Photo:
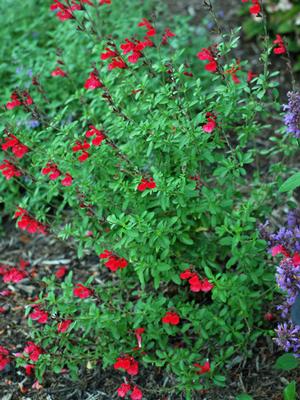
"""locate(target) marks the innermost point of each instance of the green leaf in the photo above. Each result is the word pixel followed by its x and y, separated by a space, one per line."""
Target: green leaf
pixel 244 396
pixel 291 183
pixel 289 392
pixel 287 362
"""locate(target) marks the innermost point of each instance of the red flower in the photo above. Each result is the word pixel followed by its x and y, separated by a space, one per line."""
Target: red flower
pixel 18 100
pixel 4 357
pixel 81 147
pixel 67 181
pixel 146 184
pixel 117 63
pixel 113 263
pixel 279 249
pixel 28 223
pixel 58 72
pixel 14 276
pixel 29 368
pixel 187 274
pixel 150 29
pixel 296 259
pixel 82 291
pixel 207 55
pixel 190 74
pixel 136 394
pixel 166 35
pixel 255 9
pixel 9 170
pixel 123 390
pixel 63 326
pixel 171 318
pixel 39 316
pixel 195 283
pixel 104 2
pixel 138 333
pixel 128 363
pixel 280 49
pixel 61 272
pixel 19 149
pixel 51 169
pixel 251 75
pixel 93 82
pixel 66 12
pixel 203 368
pixel 99 135
pixel 33 351
pixel 109 54
pixel 206 286
pixel 210 124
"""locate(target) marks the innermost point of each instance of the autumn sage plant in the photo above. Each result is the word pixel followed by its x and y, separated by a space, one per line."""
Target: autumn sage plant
pixel 143 152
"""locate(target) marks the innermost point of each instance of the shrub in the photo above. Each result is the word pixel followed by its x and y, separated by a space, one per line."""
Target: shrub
pixel 153 165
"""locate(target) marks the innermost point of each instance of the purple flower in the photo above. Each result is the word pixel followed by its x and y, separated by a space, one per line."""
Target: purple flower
pixel 288 237
pixel 33 123
pixel 292 116
pixel 288 337
pixel 288 278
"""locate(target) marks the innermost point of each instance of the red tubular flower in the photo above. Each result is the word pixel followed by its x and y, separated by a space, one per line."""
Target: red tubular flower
pixel 67 181
pixel 63 326
pixel 81 147
pixel 280 47
pixel 279 249
pixel 102 2
pixel 4 357
pixel 39 315
pixel 207 55
pixel 9 170
pixel 14 103
pixel 203 368
pixel 82 291
pixel 61 272
pixel 58 72
pixel 146 184
pixel 171 318
pixel 255 9
pixel 14 275
pixel 150 29
pixel 33 351
pixel 117 63
pixel 251 75
pixel 23 99
pixel 93 82
pixel 113 263
pixel 128 363
pixel 51 170
pixel 211 124
pixel 19 149
pixel 136 394
pixel 95 132
pixel 123 390
pixel 206 286
pixel 66 12
pixel 296 259
pixel 138 333
pixel 187 274
pixel 195 283
pixel 29 368
pixel 26 222
pixel 167 35
pixel 108 54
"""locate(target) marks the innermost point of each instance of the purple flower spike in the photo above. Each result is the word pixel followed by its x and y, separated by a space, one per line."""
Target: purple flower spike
pixel 292 116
